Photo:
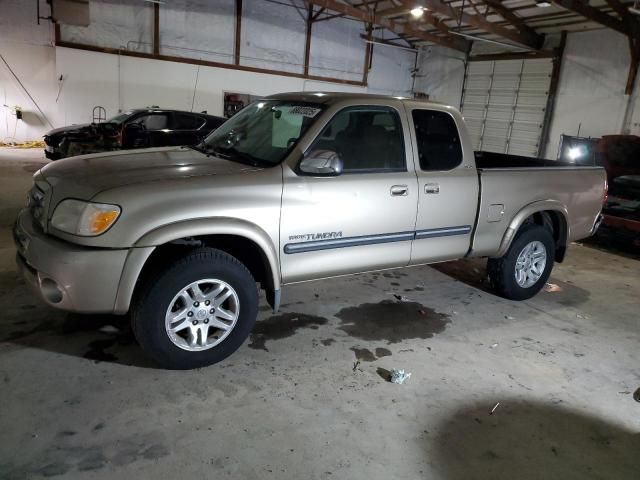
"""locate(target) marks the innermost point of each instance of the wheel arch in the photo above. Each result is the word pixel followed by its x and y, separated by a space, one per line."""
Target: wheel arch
pixel 548 213
pixel 242 239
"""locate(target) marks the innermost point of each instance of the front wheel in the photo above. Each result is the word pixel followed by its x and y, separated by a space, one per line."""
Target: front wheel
pixel 197 312
pixel 525 268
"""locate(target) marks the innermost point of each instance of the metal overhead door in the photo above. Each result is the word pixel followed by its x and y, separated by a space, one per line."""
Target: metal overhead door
pixel 504 103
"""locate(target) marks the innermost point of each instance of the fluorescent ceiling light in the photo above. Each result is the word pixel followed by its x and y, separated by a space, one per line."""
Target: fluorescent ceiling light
pixel 543 3
pixel 417 12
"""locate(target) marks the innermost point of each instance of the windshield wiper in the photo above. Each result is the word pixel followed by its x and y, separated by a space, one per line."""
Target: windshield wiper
pixel 218 152
pixel 237 156
pixel 246 158
pixel 197 148
pixel 208 151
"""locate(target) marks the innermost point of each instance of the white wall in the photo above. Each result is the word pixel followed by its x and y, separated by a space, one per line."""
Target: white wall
pixel 273 38
pixel 591 89
pixel 29 53
pixel 441 74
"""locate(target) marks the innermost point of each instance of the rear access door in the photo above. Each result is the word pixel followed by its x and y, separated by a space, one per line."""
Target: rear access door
pixel 447 185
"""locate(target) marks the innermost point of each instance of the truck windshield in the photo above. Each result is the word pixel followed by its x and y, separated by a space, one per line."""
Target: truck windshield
pixel 263 133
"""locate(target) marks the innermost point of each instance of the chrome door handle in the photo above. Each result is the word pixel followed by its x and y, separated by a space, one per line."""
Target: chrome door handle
pixel 399 190
pixel 432 188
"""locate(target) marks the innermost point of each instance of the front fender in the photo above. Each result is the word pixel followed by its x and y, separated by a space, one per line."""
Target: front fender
pixel 192 228
pixel 216 226
pixel 524 213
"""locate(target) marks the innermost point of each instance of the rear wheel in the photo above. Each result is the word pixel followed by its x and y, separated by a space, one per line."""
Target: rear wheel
pixel 198 311
pixel 525 268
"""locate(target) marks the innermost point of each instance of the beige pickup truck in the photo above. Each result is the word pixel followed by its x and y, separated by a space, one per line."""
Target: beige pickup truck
pixel 295 187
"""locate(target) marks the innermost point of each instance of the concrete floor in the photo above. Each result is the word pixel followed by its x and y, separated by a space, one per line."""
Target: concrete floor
pixel 78 402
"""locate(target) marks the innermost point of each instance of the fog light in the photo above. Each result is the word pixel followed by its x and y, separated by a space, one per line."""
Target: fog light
pixel 50 290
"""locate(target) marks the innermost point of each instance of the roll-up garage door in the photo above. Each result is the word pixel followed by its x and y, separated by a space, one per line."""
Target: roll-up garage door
pixel 504 103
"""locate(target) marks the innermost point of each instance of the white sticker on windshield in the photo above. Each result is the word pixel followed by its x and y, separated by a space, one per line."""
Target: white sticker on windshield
pixel 309 112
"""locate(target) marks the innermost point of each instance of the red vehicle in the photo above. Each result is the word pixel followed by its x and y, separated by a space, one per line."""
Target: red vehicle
pixel 620 155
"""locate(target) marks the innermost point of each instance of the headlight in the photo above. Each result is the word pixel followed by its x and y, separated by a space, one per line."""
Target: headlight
pixel 84 218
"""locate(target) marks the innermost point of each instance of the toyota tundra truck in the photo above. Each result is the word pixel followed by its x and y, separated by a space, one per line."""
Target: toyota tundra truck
pixel 295 187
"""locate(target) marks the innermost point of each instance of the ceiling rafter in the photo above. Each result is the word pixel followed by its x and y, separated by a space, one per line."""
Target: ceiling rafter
pixel 441 8
pixel 396 27
pixel 593 14
pixel 515 20
pixel 633 27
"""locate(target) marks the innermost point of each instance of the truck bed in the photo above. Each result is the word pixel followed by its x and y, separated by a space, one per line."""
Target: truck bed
pixel 509 183
pixel 490 160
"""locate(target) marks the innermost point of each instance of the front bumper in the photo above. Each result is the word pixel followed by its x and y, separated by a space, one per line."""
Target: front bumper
pixel 64 275
pixel 597 223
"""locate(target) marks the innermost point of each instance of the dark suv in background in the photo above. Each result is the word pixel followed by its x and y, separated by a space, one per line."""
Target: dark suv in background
pixel 139 128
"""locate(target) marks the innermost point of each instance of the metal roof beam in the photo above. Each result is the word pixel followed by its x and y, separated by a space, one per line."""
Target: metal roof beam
pixel 593 14
pixel 515 20
pixel 396 27
pixel 441 8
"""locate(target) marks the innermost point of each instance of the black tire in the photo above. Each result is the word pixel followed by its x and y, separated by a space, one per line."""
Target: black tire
pixel 502 270
pixel 148 316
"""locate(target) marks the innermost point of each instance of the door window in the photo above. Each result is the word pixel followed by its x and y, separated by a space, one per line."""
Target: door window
pixel 368 139
pixel 438 140
pixel 154 121
pixel 187 121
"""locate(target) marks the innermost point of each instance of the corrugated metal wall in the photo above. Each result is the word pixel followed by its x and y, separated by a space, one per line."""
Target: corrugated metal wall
pixel 504 103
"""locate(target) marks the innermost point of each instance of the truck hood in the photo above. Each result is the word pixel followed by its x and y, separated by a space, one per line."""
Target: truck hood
pixel 81 127
pixel 86 175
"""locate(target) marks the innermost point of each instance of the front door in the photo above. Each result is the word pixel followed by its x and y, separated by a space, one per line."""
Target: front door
pixel 361 220
pixel 448 188
pixel 156 128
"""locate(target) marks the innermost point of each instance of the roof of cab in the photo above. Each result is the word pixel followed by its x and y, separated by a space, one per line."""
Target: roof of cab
pixel 332 97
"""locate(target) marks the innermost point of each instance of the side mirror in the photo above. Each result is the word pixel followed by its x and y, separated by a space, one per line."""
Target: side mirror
pixel 322 162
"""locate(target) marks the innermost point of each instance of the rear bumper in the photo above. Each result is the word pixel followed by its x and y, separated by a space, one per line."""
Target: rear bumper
pixel 64 275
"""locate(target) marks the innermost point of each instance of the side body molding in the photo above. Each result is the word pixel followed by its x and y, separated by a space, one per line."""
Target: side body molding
pixel 526 212
pixel 193 228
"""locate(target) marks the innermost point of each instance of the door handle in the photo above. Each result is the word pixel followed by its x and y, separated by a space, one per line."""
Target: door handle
pixel 432 188
pixel 399 191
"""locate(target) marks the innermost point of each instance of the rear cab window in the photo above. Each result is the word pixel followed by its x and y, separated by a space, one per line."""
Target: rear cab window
pixel 437 139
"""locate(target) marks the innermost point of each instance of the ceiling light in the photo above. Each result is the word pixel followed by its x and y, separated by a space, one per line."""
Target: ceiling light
pixel 417 12
pixel 543 3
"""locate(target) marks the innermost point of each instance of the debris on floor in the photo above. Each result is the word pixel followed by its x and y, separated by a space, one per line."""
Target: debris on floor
pixel 495 407
pixel 636 395
pixel 401 298
pixel 399 376
pixel 29 144
pixel 494 345
pixel 356 366
pixel 509 317
pixel 552 287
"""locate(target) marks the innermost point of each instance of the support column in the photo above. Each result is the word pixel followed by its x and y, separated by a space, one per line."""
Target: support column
pixel 236 50
pixel 307 44
pixel 367 55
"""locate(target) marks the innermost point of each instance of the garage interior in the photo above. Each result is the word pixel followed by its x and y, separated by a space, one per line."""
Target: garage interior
pixel 543 388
